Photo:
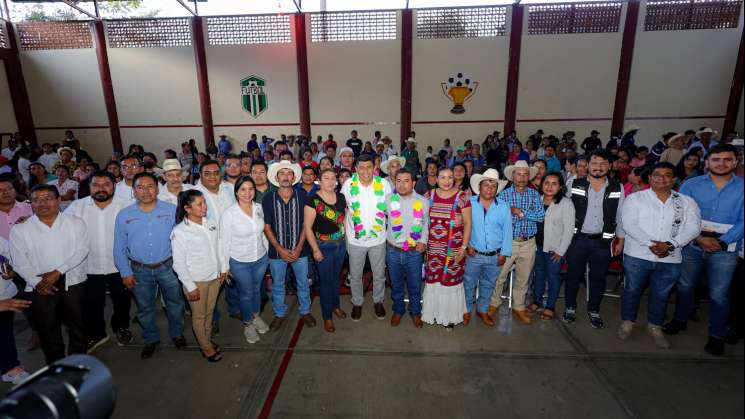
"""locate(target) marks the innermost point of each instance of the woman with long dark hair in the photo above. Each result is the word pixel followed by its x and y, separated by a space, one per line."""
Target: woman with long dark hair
pixel 552 241
pixel 38 175
pixel 460 179
pixel 244 248
pixel 688 167
pixel 197 262
pixel 428 182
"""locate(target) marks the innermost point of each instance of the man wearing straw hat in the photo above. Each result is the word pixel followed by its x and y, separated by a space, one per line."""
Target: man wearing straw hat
pixel 174 182
pixel 490 244
pixel 391 167
pixel 527 211
pixel 283 218
pixel 704 139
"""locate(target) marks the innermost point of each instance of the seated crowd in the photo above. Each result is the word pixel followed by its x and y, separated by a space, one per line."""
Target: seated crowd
pixel 463 221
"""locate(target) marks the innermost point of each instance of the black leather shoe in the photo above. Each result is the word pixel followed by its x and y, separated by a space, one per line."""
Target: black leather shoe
pixel 379 311
pixel 179 342
pixel 149 350
pixel 356 313
pixel 714 346
pixel 673 327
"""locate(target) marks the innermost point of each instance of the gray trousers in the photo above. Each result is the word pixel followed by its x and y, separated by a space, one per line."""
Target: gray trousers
pixel 357 256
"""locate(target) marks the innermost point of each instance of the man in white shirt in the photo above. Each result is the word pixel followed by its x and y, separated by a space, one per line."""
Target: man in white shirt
pixel 49 158
pixel 10 151
pixel 658 223
pixel 131 165
pixel 219 196
pixel 98 211
pixel 173 174
pixel 365 226
pixel 48 251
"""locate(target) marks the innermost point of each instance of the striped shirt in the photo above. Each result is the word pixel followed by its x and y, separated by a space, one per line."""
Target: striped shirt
pixel 285 220
pixel 529 201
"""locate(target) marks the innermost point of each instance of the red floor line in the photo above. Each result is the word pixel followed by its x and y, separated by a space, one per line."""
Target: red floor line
pixel 277 383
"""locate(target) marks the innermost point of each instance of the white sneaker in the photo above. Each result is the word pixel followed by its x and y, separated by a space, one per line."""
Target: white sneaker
pixel 659 338
pixel 15 376
pixel 249 332
pixel 260 324
pixel 625 330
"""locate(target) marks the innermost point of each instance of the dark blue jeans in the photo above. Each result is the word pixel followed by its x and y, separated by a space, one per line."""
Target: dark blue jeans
pixel 329 270
pixel 661 278
pixel 581 252
pixel 405 270
pixel 720 266
pixel 546 271
pixel 146 291
pixel 247 277
pixel 8 351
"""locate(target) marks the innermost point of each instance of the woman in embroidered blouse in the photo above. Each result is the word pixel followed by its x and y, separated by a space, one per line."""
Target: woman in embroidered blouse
pixel 444 300
pixel 244 249
pixel 197 262
pixel 324 230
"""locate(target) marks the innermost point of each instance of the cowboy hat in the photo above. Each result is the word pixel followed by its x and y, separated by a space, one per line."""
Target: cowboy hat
pixel 705 130
pixel 345 150
pixel 61 149
pixel 489 174
pixel 673 138
pixel 411 140
pixel 520 164
pixel 284 164
pixel 171 164
pixel 384 165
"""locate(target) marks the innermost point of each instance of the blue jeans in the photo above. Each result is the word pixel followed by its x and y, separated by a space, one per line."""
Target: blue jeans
pixel 329 270
pixel 481 272
pixel 720 266
pixel 405 268
pixel 278 268
pixel 146 292
pixel 546 271
pixel 661 278
pixel 247 278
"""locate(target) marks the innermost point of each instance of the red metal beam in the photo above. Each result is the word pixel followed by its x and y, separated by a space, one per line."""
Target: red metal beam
pixel 513 68
pixel 624 67
pixel 301 54
pixel 407 30
pixel 735 93
pixel 200 57
pixel 17 87
pixel 107 85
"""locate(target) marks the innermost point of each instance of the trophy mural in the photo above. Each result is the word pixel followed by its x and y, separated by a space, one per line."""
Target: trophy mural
pixel 459 88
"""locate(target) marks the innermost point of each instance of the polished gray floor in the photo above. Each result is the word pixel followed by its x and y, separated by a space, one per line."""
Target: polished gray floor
pixel 371 370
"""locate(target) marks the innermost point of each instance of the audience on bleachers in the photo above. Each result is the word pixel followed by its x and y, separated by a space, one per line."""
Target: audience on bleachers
pixel 672 214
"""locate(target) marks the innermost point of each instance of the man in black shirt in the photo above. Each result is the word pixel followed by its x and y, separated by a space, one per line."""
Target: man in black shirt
pixel 355 144
pixel 591 143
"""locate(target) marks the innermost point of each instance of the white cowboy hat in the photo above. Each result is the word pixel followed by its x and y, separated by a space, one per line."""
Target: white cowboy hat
pixel 411 140
pixel 706 130
pixel 632 127
pixel 520 164
pixel 61 149
pixel 345 150
pixel 384 165
pixel 673 138
pixel 489 174
pixel 284 164
pixel 171 164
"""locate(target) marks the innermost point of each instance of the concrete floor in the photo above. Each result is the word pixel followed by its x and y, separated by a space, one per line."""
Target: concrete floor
pixel 370 370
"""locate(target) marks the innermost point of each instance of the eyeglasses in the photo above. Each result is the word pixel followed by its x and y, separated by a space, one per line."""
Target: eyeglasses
pixel 43 200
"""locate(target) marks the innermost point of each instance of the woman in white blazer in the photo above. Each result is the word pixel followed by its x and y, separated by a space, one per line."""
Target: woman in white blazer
pixel 553 239
pixel 197 262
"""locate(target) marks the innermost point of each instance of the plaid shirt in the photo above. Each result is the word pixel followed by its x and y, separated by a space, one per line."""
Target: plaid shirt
pixel 530 202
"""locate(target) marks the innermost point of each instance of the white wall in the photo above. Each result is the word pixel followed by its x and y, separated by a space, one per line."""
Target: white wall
pixel 358 81
pixel 7 115
pixel 680 74
pixel 156 88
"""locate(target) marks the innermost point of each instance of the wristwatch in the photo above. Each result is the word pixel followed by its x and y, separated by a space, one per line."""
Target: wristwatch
pixel 670 246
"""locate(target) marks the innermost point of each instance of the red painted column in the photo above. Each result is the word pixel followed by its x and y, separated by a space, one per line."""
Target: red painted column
pixel 407 35
pixel 513 68
pixel 301 54
pixel 735 93
pixel 624 67
pixel 17 87
pixel 107 85
pixel 200 58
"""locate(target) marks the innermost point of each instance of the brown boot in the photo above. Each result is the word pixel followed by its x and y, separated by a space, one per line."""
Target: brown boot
pixel 492 310
pixel 418 323
pixel 328 325
pixel 309 320
pixel 466 319
pixel 395 319
pixel 340 313
pixel 276 324
pixel 522 316
pixel 486 318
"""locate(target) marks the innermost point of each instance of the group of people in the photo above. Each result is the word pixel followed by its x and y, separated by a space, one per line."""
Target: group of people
pixel 461 226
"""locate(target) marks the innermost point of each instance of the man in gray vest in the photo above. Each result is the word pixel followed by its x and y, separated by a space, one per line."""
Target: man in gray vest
pixel 598 202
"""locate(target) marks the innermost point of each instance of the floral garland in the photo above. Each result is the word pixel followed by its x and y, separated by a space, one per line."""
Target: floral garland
pixel 417 209
pixel 354 191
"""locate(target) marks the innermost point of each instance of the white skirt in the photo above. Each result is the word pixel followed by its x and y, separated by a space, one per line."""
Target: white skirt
pixel 443 305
